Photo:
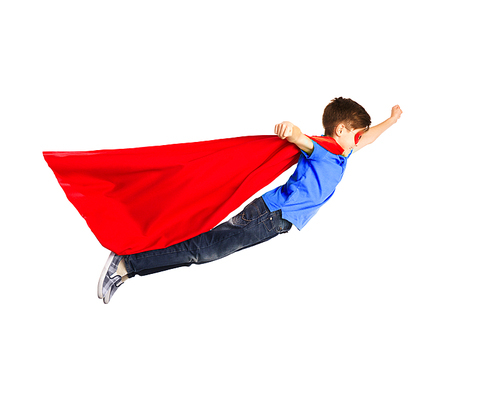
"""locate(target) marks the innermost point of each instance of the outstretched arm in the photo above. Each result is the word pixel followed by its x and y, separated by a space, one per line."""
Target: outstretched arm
pixel 293 135
pixel 376 131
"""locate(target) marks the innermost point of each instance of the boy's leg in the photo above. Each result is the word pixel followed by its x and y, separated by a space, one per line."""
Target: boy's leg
pixel 255 224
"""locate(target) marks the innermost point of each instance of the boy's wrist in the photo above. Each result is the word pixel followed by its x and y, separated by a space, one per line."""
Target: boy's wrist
pixel 392 120
pixel 295 135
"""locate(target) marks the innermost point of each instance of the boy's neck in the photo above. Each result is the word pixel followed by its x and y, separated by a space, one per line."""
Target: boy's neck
pixel 346 152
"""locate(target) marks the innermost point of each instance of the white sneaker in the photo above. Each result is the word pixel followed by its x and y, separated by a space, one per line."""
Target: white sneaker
pixel 109 280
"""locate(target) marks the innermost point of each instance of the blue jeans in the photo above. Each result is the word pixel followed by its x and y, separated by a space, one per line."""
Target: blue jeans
pixel 253 225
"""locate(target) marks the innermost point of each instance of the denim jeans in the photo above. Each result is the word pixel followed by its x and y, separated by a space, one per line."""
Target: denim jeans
pixel 253 225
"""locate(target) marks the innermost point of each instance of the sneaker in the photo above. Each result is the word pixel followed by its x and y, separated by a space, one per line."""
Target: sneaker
pixel 109 280
pixel 117 282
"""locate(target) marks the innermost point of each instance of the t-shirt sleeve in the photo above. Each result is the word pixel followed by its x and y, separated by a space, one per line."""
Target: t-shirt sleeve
pixel 318 152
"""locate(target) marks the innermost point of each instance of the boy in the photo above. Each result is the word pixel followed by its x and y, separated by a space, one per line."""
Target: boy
pixel 320 168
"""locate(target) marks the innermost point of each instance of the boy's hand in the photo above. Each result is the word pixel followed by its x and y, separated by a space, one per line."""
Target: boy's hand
pixel 290 132
pixel 376 131
pixel 283 130
pixel 396 113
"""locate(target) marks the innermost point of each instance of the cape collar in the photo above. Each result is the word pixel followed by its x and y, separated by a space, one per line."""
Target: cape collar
pixel 329 144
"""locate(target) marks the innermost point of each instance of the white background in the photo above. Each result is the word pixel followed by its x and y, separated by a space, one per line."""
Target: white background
pixel 392 288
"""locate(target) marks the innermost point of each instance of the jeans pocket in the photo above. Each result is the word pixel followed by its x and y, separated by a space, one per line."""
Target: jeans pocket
pixel 251 212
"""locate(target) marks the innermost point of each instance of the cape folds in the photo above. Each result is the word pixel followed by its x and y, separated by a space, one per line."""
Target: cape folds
pixel 141 199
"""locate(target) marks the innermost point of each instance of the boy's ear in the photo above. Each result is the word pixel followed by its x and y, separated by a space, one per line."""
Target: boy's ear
pixel 338 130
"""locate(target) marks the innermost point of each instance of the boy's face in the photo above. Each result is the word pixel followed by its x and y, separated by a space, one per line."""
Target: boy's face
pixel 349 138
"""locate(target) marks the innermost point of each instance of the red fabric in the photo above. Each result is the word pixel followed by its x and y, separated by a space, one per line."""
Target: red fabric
pixel 329 144
pixel 148 198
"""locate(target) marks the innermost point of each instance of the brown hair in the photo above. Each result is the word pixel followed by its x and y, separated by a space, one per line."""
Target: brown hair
pixel 347 111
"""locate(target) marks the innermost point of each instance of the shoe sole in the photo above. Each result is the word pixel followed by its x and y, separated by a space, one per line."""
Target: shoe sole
pixel 103 275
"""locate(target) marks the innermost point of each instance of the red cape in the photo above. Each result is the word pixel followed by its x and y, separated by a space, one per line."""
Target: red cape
pixel 142 199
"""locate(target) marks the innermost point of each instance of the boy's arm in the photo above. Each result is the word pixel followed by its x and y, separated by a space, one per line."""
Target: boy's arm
pixel 376 131
pixel 293 135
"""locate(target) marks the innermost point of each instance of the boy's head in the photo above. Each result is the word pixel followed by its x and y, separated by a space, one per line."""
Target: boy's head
pixel 347 112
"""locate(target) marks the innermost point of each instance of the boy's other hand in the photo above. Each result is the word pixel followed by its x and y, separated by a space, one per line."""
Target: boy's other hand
pixel 396 113
pixel 283 130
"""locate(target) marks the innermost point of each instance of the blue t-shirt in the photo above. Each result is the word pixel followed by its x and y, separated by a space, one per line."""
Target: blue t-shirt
pixel 310 186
